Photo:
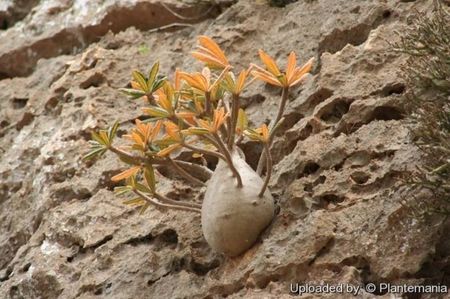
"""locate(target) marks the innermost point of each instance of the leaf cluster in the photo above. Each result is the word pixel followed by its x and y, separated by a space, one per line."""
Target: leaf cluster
pixel 198 111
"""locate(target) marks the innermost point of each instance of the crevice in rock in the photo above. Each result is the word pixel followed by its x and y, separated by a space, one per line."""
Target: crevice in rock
pixel 392 89
pixel 317 97
pixel 27 118
pixel 95 80
pixel 309 168
pixel 324 200
pixel 6 274
pixel 322 251
pixel 360 177
pixel 386 113
pixel 142 15
pixel 168 238
pixel 15 12
pixel 338 38
pixel 383 113
pixel 201 269
pixel 99 243
pixel 304 133
pixel 19 103
pixel 145 239
pixel 336 111
pixel 252 151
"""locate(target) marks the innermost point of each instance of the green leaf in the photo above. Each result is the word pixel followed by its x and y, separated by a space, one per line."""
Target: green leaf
pixel 242 121
pixel 158 83
pixel 142 188
pixel 113 130
pixel 156 112
pixel 165 142
pixel 253 135
pixel 121 190
pixel 144 208
pixel 134 202
pixel 131 181
pixel 152 75
pixel 127 160
pixel 149 176
pixel 104 136
pixel 134 93
pixel 96 152
pixel 97 138
pixel 195 131
pixel 140 79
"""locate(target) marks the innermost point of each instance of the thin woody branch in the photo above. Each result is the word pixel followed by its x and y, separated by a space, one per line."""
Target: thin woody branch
pixel 161 205
pixel 262 159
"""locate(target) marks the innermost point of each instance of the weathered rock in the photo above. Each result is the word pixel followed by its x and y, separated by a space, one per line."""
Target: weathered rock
pixel 339 155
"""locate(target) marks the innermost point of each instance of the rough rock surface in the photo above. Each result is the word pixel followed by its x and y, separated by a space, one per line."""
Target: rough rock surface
pixel 339 155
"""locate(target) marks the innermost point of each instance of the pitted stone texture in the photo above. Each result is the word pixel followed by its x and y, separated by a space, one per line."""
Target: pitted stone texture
pixel 339 156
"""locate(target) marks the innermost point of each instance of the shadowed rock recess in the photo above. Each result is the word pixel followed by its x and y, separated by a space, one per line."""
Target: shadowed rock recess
pixel 338 157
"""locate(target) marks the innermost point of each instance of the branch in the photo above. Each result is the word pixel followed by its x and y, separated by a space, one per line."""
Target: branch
pixel 139 160
pixel 269 170
pixel 184 173
pixel 262 159
pixel 204 151
pixel 234 115
pixel 229 160
pixel 169 201
pixel 162 206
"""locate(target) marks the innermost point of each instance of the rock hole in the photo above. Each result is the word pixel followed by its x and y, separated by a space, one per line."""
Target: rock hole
pixel 6 275
pixel 386 14
pixel 310 168
pixel 318 97
pixel 98 292
pixel 101 242
pixel 202 269
pixel 27 119
pixel 320 180
pixel 391 89
pixel 308 187
pixel 289 120
pixel 177 264
pixel 51 103
pixel 339 166
pixel 336 112
pixel 93 81
pixel 338 39
pixel 305 132
pixel 360 177
pixel 26 267
pixel 145 239
pixel 4 124
pixel 4 25
pixel 168 238
pixel 19 103
pixel 331 198
pixel 386 113
pixel 252 151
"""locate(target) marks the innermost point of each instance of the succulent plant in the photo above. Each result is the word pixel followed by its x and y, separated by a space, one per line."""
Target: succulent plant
pixel 201 112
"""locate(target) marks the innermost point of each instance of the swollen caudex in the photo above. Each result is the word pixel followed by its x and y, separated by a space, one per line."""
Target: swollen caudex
pixel 232 217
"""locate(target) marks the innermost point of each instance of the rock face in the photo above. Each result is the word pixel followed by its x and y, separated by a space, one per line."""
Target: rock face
pixel 339 156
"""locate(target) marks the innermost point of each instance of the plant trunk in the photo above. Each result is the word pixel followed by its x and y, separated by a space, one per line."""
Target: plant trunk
pixel 233 217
